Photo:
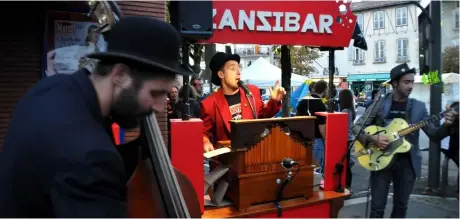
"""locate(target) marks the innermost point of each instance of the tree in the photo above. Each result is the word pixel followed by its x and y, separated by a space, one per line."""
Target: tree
pixel 450 59
pixel 196 50
pixel 301 58
pixel 196 53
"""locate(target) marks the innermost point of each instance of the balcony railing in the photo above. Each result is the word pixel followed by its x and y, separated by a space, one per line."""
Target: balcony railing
pixel 358 62
pixel 252 51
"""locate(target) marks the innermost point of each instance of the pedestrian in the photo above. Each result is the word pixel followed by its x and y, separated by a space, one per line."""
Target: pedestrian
pixel 308 107
pixel 346 102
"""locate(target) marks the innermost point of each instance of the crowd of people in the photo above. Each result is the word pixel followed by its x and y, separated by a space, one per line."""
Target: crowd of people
pixel 176 101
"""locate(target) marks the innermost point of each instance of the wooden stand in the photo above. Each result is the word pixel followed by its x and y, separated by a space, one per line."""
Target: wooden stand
pixel 259 148
pixel 323 204
pixel 187 156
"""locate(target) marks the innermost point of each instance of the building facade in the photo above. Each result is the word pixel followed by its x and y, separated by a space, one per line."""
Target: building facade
pixel 390 29
pixel 450 23
pixel 24 47
pixel 249 53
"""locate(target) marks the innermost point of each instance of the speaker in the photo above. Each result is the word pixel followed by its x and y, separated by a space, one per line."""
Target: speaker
pixel 192 18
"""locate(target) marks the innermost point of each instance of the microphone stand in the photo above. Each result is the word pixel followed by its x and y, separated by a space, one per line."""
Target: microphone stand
pixel 339 165
pixel 279 196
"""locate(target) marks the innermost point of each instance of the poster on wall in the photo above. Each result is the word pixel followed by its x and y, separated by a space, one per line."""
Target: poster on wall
pixel 70 37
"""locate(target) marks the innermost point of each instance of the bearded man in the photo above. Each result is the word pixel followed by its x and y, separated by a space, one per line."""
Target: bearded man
pixel 59 159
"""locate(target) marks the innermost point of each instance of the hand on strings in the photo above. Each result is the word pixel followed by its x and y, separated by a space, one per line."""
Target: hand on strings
pixel 381 141
pixel 277 93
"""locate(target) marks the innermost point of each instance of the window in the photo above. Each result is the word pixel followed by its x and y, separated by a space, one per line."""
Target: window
pixel 379 48
pixel 401 16
pixel 379 20
pixel 350 53
pixel 456 19
pixel 402 45
pixel 360 21
pixel 358 56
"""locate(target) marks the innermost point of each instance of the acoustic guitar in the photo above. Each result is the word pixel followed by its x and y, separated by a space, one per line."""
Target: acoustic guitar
pixel 375 159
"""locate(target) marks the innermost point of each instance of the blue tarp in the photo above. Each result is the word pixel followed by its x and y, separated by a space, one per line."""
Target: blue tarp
pixel 299 93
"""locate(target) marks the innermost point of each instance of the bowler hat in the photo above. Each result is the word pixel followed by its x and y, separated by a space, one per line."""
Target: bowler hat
pixel 400 70
pixel 219 60
pixel 145 42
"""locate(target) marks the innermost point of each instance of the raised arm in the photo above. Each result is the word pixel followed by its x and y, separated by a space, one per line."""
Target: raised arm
pixel 265 110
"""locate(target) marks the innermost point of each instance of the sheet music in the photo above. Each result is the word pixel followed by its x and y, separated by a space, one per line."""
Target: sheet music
pixel 217 152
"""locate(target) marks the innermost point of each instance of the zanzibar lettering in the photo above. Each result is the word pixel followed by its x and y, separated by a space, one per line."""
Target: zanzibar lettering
pixel 284 21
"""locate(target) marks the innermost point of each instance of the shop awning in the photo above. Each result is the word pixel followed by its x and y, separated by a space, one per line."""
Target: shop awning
pixel 368 77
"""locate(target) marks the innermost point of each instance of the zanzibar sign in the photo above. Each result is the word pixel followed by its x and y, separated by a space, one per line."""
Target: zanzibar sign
pixel 310 23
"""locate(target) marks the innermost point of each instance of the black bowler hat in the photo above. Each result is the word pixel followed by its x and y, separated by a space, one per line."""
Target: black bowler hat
pixel 145 42
pixel 219 60
pixel 400 70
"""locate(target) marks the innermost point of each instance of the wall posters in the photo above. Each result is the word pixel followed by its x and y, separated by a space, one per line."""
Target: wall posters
pixel 70 36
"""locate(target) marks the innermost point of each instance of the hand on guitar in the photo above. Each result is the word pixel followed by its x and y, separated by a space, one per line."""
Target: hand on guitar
pixel 381 141
pixel 450 116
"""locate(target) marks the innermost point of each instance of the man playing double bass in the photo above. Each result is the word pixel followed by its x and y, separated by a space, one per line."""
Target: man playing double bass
pixel 230 102
pixel 58 157
pixel 406 167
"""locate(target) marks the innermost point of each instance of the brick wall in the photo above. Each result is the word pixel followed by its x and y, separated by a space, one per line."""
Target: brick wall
pixel 21 50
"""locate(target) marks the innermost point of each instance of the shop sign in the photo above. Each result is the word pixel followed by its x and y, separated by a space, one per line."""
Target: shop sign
pixel 310 23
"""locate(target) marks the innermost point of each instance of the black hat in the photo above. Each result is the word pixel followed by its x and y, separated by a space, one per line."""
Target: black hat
pixel 400 70
pixel 219 60
pixel 148 42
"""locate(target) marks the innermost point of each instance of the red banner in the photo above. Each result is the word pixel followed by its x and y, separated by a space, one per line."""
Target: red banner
pixel 309 23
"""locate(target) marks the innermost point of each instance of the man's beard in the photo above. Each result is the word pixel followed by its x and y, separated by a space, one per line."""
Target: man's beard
pixel 126 111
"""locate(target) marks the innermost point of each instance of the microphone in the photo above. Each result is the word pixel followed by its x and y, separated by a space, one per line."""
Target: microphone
pixel 288 163
pixel 245 88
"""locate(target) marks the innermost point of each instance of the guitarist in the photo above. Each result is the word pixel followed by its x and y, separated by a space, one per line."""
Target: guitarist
pixel 405 167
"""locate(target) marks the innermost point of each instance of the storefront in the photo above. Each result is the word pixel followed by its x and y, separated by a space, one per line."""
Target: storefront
pixel 365 82
pixel 32 34
pixel 339 81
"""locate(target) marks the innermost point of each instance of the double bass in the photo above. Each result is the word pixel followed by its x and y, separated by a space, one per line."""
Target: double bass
pixel 156 189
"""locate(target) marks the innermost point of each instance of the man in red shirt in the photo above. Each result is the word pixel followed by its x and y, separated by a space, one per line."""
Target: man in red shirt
pixel 230 102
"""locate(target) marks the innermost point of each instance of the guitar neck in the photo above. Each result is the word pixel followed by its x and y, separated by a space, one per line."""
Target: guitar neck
pixel 423 123
pixel 414 127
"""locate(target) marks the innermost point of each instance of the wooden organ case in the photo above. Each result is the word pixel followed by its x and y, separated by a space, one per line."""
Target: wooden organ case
pixel 258 148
